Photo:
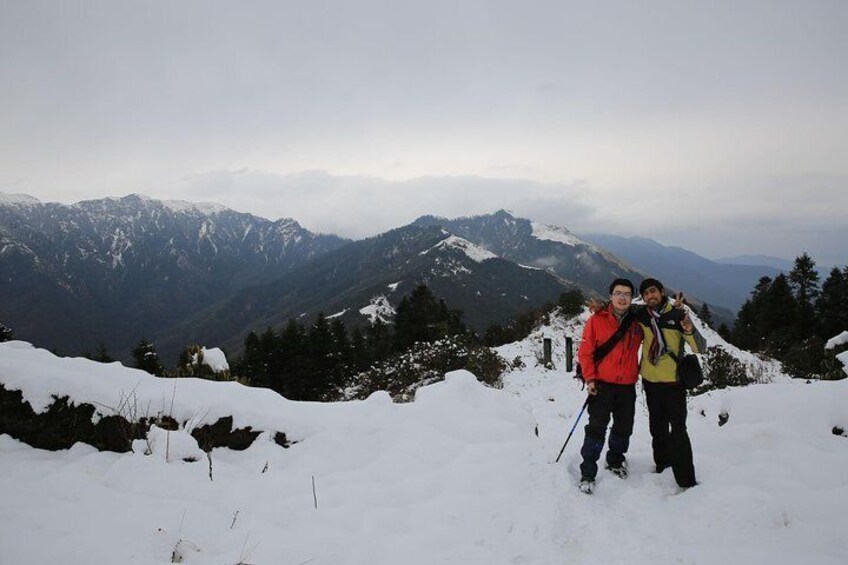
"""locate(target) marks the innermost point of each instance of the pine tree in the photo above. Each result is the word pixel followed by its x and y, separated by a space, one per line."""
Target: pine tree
pixel 781 317
pixel 145 357
pixel 571 302
pixel 805 280
pixel 422 317
pixel 102 354
pixel 805 284
pixel 379 340
pixel 749 330
pixel 360 355
pixel 254 365
pixel 342 353
pixel 705 315
pixel 832 304
pixel 320 353
pixel 6 333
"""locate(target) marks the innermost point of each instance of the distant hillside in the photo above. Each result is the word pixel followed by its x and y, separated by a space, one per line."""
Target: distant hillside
pixel 350 282
pixel 721 286
pixel 758 261
pixel 115 270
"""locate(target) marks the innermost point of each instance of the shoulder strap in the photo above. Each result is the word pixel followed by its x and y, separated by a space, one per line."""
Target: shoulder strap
pixel 680 351
pixel 602 350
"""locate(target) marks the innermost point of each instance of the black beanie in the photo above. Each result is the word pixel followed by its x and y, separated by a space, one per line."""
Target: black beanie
pixel 648 283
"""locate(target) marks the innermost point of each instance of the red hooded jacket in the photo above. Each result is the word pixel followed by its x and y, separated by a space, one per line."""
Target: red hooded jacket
pixel 621 365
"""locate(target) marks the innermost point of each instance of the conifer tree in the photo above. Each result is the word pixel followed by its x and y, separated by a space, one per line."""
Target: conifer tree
pixel 145 358
pixel 320 354
pixel 832 304
pixel 378 339
pixel 781 317
pixel 254 364
pixel 749 329
pixel 805 285
pixel 291 369
pixel 805 280
pixel 422 317
pixel 705 315
pixel 571 302
pixel 360 356
pixel 6 333
pixel 102 354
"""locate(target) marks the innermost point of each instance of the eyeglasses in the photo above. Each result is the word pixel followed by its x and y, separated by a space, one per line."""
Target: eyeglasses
pixel 620 294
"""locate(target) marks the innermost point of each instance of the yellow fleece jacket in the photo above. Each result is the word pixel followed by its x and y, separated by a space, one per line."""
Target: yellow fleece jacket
pixel 665 369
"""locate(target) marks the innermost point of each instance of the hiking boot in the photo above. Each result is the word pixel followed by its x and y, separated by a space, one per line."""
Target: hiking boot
pixel 586 486
pixel 661 468
pixel 619 471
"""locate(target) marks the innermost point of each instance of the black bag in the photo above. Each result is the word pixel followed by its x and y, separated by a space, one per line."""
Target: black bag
pixel 689 371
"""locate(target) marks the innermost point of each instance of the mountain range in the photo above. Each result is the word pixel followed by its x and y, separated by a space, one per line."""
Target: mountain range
pixel 116 270
pixel 719 284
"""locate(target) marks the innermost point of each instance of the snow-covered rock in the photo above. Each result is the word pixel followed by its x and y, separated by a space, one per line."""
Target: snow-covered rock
pixel 836 341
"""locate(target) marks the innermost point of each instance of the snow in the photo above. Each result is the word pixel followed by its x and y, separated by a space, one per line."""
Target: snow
pixel 215 359
pixel 18 199
pixel 843 358
pixel 833 342
pixel 393 286
pixel 462 475
pixel 554 233
pixel 475 252
pixel 206 208
pixel 379 309
pixel 337 314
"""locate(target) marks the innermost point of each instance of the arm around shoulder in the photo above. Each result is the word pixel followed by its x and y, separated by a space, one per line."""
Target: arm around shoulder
pixel 696 341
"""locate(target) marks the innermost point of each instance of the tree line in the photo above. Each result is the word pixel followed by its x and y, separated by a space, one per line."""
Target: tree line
pixel 790 317
pixel 319 361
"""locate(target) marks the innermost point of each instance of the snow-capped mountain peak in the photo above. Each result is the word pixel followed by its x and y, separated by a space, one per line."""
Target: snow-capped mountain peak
pixel 207 208
pixel 555 233
pixel 474 252
pixel 18 200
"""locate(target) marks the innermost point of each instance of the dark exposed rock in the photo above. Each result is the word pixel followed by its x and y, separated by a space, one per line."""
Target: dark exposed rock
pixel 222 434
pixel 167 423
pixel 723 418
pixel 281 440
pixel 837 431
pixel 63 424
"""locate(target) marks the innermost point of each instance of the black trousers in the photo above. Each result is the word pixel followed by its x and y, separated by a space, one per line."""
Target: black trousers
pixel 612 401
pixel 669 438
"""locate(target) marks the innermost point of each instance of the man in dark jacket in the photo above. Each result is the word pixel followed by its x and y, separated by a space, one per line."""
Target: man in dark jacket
pixel 666 328
pixel 610 382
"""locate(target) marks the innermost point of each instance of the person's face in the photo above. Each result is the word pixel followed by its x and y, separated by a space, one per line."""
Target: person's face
pixel 621 297
pixel 652 296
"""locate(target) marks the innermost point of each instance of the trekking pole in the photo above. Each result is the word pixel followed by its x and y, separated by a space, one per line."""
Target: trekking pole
pixel 572 429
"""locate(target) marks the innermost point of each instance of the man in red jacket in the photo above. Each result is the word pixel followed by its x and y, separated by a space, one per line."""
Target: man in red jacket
pixel 610 382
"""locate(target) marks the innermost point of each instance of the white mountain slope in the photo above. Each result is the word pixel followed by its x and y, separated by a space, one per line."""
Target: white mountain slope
pixel 458 476
pixel 474 252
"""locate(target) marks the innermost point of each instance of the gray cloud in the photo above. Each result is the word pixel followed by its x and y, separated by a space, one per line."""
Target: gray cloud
pixel 731 113
pixel 358 206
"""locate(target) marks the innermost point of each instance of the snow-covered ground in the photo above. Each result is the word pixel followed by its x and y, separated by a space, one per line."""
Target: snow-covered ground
pixel 464 474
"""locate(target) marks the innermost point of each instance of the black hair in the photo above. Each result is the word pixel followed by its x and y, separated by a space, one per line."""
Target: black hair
pixel 622 282
pixel 648 283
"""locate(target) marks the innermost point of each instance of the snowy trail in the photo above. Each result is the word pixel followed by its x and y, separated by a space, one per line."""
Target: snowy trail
pixel 773 486
pixel 458 476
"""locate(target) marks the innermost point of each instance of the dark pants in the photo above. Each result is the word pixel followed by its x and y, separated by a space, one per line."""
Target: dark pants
pixel 618 402
pixel 667 417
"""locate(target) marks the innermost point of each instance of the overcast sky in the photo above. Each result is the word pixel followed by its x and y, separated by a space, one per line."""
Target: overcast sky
pixel 718 126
